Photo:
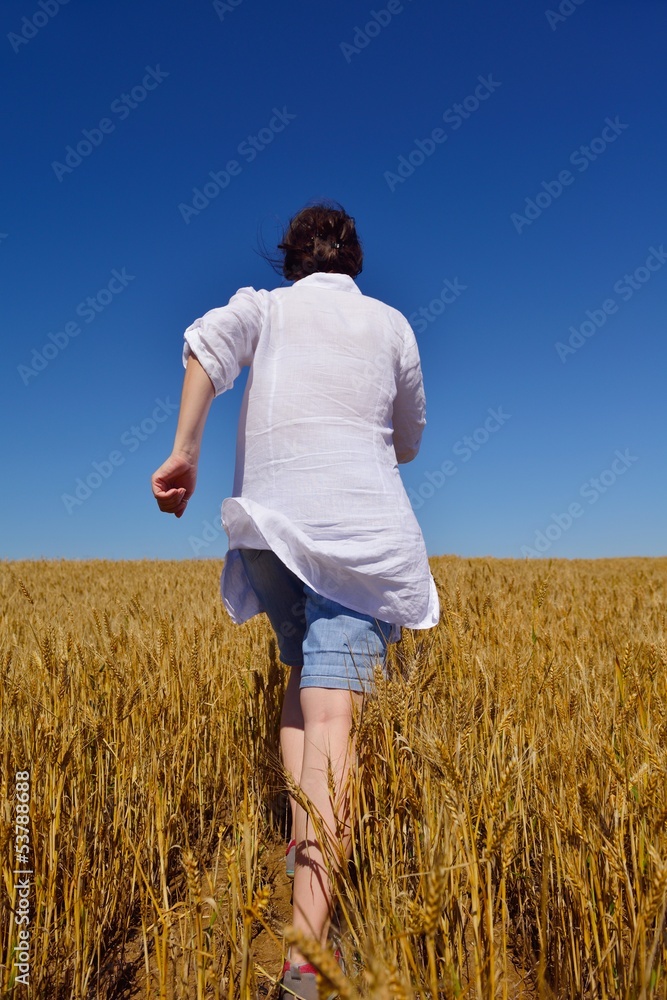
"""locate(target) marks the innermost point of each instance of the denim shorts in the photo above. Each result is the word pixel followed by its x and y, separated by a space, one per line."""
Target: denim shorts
pixel 335 646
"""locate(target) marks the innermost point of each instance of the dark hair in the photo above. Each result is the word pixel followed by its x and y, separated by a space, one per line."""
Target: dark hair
pixel 321 237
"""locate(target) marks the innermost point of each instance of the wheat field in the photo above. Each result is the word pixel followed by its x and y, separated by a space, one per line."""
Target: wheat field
pixel 509 802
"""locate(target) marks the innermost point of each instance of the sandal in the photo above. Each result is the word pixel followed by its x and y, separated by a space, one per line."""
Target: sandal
pixel 299 982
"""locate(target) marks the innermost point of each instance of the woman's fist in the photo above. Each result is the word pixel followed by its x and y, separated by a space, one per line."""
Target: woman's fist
pixel 174 483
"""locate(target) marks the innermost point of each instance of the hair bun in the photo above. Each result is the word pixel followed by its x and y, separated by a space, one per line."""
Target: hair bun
pixel 321 237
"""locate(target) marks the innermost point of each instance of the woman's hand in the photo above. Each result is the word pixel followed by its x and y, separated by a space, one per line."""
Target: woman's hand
pixel 174 483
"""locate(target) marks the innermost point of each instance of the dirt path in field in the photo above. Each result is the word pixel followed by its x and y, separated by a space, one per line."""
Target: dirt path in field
pixel 266 954
pixel 132 982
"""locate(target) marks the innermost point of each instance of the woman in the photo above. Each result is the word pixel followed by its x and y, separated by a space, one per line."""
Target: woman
pixel 322 536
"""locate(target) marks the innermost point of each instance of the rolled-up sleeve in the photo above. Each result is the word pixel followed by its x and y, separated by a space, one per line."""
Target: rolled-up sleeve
pixel 224 339
pixel 409 413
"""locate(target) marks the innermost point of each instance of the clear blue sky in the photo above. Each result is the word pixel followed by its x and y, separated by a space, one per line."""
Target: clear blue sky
pixel 329 100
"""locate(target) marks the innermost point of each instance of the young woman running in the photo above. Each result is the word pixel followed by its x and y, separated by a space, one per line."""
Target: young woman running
pixel 322 536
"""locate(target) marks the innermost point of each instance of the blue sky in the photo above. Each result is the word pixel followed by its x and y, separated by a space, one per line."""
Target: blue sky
pixel 505 165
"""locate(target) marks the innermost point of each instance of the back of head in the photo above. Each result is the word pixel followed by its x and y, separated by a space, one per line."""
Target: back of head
pixel 320 238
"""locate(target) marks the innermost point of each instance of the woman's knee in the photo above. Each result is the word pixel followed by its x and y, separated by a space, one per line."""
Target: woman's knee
pixel 322 706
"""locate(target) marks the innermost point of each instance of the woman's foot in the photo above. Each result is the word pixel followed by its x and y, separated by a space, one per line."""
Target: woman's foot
pixel 300 981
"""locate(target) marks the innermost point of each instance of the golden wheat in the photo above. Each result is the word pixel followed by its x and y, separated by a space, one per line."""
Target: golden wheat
pixel 508 804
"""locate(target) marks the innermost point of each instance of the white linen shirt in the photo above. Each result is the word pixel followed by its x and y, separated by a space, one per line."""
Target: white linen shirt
pixel 333 402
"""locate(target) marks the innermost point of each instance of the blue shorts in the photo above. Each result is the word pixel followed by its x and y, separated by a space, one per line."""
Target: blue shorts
pixel 335 646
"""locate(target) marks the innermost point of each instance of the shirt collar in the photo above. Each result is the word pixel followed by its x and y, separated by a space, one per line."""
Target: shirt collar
pixel 330 279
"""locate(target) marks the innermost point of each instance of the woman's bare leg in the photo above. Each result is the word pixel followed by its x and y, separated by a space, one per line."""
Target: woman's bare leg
pixel 291 733
pixel 327 718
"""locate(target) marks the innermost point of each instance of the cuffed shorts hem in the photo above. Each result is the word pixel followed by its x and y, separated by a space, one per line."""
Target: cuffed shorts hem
pixel 340 648
pixel 330 681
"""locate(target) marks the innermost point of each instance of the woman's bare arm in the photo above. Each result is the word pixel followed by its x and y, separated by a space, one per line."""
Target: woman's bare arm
pixel 174 482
